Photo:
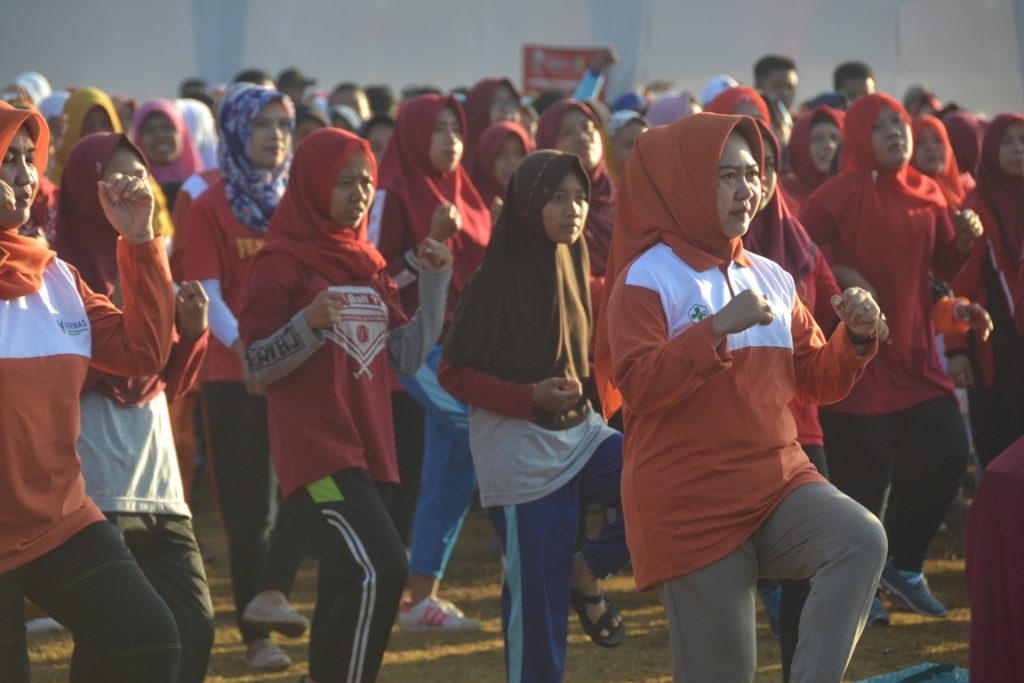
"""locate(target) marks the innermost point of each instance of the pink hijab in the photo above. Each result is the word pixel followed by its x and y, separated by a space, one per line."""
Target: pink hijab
pixel 188 162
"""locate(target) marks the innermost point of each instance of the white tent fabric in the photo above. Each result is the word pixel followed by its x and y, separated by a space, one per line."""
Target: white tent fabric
pixel 970 52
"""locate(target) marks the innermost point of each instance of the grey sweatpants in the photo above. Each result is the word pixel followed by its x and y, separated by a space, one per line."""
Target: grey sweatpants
pixel 817 533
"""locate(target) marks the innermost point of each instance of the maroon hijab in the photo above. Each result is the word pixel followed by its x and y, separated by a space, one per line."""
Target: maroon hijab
pixel 85 238
pixel 603 193
pixel 478 114
pixel 775 233
pixel 482 170
pixel 965 131
pixel 1003 193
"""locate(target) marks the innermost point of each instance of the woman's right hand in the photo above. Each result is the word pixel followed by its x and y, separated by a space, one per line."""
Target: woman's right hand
pixel 325 310
pixel 557 394
pixel 445 222
pixel 746 309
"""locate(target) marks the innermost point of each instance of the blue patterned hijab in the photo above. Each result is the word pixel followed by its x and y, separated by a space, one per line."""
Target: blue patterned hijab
pixel 253 193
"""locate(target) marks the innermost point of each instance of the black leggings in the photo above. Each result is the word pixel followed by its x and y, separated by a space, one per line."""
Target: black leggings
pixel 363 569
pixel 921 451
pixel 239 451
pixel 92 585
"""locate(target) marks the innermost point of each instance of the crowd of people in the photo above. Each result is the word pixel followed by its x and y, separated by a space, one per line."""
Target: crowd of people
pixel 732 323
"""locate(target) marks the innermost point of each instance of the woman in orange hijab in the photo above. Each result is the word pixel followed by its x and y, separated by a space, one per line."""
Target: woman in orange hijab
pixel 705 347
pixel 56 547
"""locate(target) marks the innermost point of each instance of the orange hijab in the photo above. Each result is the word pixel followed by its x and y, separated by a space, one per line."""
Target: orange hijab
pixel 23 259
pixel 668 194
pixel 949 178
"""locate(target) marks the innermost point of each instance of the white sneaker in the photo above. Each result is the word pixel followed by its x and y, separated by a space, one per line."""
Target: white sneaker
pixel 263 655
pixel 435 614
pixel 270 611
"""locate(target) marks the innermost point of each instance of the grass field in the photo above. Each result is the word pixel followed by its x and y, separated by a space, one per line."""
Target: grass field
pixel 477 657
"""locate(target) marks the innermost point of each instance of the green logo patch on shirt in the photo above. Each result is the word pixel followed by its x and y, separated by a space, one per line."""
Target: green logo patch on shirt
pixel 698 312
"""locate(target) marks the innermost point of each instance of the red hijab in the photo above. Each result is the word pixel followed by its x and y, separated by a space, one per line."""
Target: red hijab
pixel 804 176
pixel 302 226
pixel 478 115
pixel 949 177
pixel 409 177
pixel 669 195
pixel 23 260
pixel 873 205
pixel 482 170
pixel 603 193
pixel 1003 193
pixel 775 233
pixel 85 238
pixel 730 98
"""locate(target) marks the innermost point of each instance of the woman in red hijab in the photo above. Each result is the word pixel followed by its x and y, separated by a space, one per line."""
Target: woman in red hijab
pixel 888 227
pixel 993 369
pixel 740 100
pixel 56 547
pixel 425 192
pixel 322 324
pixel 499 150
pixel 815 142
pixel 572 126
pixel 706 346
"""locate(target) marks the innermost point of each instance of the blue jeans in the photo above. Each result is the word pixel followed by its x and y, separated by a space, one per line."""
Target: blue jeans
pixel 448 481
pixel 540 542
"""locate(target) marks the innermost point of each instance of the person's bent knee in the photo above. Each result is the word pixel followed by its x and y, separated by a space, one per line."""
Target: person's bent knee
pixel 866 538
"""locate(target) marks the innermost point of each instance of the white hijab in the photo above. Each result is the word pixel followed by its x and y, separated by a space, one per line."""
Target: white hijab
pixel 201 125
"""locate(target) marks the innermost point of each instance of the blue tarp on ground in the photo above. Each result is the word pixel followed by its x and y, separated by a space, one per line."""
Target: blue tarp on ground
pixel 923 673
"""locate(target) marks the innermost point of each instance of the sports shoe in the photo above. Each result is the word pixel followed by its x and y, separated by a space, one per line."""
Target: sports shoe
pixel 270 611
pixel 878 614
pixel 434 614
pixel 263 655
pixel 772 599
pixel 913 590
pixel 43 625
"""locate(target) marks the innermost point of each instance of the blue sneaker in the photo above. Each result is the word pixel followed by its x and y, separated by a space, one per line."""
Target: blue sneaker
pixel 772 599
pixel 878 614
pixel 912 589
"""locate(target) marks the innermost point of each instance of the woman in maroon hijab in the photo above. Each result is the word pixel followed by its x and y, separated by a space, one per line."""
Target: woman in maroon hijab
pixel 816 139
pixel 489 101
pixel 993 370
pixel 499 150
pixel 425 192
pixel 572 126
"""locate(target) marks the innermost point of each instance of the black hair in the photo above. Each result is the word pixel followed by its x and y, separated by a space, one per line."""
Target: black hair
pixel 851 71
pixel 771 63
pixel 410 91
pixel 381 97
pixel 373 122
pixel 255 76
pixel 546 98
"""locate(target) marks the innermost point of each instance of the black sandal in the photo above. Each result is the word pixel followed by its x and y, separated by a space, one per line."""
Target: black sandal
pixel 616 634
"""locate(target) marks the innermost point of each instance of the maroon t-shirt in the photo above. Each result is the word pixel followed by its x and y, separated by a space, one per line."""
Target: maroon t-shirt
pixel 333 412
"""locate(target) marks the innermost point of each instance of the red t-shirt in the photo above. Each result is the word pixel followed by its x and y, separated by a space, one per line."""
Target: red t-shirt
pixel 333 412
pixel 220 247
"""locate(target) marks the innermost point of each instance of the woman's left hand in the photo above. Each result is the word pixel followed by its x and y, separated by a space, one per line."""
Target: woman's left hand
pixel 128 204
pixel 858 309
pixel 434 255
pixel 192 304
pixel 968 228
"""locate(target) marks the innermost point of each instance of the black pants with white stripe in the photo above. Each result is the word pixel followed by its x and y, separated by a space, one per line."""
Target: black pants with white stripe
pixel 363 569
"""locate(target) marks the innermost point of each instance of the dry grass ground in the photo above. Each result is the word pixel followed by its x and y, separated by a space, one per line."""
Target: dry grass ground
pixel 477 657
